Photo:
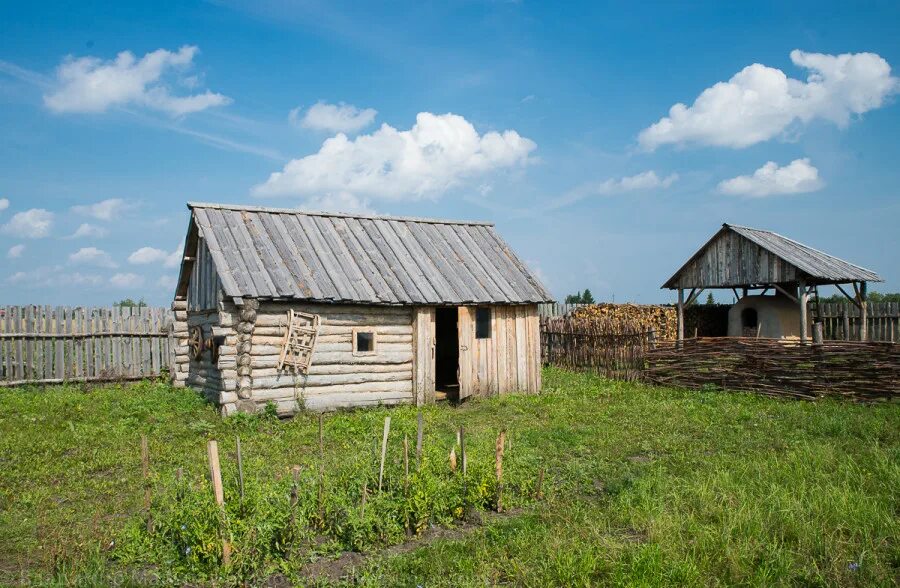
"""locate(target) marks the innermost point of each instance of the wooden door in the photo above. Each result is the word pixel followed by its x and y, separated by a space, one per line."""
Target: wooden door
pixel 466 329
pixel 423 356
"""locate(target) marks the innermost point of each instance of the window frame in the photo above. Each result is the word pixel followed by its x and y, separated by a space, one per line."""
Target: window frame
pixel 490 322
pixel 354 340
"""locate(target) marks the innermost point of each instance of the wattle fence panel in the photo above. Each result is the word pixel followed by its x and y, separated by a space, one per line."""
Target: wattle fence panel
pixel 48 345
pixel 848 369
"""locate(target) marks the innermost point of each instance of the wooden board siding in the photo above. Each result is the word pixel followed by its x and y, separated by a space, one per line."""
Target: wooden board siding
pixel 507 361
pixel 423 352
pixel 733 260
pixel 204 285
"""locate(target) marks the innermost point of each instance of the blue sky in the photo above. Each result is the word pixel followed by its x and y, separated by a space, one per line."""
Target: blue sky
pixel 550 119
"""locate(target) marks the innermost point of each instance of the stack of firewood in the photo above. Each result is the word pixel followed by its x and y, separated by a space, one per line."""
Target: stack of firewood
pixel 627 318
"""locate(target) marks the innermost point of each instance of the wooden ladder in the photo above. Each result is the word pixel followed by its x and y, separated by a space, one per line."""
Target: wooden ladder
pixel 299 341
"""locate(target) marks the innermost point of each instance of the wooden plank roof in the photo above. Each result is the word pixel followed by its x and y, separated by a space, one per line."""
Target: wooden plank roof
pixel 279 253
pixel 758 256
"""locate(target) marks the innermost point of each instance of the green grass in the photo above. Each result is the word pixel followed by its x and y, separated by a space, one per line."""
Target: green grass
pixel 644 486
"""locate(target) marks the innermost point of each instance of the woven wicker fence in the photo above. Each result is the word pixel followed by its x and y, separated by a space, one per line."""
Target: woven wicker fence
pixel 854 370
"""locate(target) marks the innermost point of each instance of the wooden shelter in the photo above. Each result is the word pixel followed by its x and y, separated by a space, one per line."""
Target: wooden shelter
pixel 318 310
pixel 742 259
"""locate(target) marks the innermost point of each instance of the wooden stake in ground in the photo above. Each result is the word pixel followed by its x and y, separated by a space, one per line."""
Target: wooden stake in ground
pixel 384 439
pixel 498 467
pixel 145 473
pixel 420 426
pixel 215 475
pixel 453 459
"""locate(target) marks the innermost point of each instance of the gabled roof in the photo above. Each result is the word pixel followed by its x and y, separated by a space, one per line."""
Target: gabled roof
pixel 794 259
pixel 276 253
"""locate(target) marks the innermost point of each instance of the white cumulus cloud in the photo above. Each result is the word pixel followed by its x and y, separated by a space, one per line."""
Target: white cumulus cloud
pixel 4 204
pixel 334 118
pixel 797 177
pixel 126 280
pixel 88 230
pixel 436 154
pixel 15 251
pixel 92 256
pixel 149 255
pixel 760 102
pixel 90 84
pixel 105 210
pixel 32 224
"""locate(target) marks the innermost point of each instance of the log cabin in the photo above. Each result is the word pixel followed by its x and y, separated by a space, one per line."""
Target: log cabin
pixel 319 311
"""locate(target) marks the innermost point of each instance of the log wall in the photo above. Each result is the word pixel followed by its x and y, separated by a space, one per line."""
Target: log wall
pixel 337 377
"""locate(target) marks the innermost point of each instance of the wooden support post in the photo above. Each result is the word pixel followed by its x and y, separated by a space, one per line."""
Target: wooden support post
pixel 846 317
pixel 420 427
pixel 680 318
pixel 215 476
pixel 804 319
pixel 818 333
pixel 145 474
pixel 498 468
pixel 384 440
pixel 863 313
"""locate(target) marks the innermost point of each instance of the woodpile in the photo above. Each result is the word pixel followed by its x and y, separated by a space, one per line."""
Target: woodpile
pixel 624 319
pixel 862 371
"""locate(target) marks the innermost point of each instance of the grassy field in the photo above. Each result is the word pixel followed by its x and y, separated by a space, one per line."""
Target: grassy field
pixel 643 486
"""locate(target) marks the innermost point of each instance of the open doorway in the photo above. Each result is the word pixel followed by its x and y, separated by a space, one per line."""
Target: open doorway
pixel 446 354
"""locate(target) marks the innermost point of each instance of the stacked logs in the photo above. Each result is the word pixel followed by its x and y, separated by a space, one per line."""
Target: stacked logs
pixel 180 349
pixel 622 319
pixel 245 326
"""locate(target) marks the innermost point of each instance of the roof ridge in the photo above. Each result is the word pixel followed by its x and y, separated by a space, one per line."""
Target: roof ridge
pixel 413 219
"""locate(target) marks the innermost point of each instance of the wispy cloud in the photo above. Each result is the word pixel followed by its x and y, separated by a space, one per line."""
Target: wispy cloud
pixel 333 118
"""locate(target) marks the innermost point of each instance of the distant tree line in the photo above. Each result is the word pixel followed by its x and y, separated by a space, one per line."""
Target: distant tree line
pixel 581 297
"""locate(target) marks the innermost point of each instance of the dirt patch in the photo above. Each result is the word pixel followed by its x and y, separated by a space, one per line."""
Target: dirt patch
pixel 346 563
pixel 639 458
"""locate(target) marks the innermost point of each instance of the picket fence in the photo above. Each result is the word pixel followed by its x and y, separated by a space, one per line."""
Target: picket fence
pixel 44 344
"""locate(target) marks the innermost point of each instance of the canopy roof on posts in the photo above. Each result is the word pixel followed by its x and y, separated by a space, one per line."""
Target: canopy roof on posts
pixel 743 257
pixel 291 254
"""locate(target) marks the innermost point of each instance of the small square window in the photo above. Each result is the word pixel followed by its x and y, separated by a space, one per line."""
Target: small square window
pixel 483 322
pixel 363 341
